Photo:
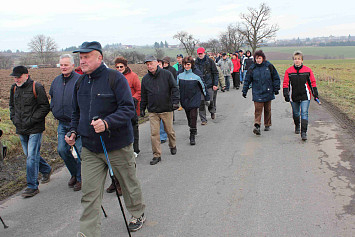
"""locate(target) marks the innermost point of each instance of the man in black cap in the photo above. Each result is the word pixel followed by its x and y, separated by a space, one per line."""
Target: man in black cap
pixel 28 108
pixel 160 95
pixel 105 93
pixel 178 65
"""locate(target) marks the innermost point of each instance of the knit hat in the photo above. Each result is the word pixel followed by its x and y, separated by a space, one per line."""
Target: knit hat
pixel 121 60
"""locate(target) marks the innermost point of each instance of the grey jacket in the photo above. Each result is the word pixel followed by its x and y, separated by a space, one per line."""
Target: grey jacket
pixel 226 66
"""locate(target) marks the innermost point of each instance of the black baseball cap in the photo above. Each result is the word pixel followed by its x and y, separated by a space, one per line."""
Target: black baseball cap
pixel 180 55
pixel 150 58
pixel 18 71
pixel 87 47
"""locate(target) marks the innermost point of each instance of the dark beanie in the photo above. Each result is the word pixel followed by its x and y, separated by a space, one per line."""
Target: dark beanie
pixel 121 60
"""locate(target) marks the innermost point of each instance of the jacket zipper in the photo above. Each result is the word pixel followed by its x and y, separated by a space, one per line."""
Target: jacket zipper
pixel 91 97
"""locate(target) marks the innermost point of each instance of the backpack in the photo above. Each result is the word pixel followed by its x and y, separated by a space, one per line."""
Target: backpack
pixel 111 79
pixel 33 89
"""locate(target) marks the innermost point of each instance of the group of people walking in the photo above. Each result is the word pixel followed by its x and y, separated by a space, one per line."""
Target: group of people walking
pixel 102 106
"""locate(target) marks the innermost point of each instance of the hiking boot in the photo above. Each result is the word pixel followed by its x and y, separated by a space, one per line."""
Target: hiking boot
pixel 72 182
pixel 46 177
pixel 155 160
pixel 204 123
pixel 213 115
pixel 136 223
pixel 77 186
pixel 256 129
pixel 296 120
pixel 29 192
pixel 111 188
pixel 267 128
pixel 304 125
pixel 193 132
pixel 173 150
pixel 304 136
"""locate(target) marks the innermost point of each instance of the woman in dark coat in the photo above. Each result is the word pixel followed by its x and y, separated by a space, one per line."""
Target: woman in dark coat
pixel 266 84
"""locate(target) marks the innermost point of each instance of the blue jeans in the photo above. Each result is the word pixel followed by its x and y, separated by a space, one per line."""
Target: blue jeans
pixel 227 79
pixel 163 135
pixel 73 165
pixel 31 145
pixel 303 106
pixel 242 76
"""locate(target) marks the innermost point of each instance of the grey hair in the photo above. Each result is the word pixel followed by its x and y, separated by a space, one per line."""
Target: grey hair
pixel 67 56
pixel 297 52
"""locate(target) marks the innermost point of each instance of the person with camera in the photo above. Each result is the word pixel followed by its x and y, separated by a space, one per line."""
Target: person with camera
pixel 160 95
pixel 29 107
pixel 61 92
pixel 105 93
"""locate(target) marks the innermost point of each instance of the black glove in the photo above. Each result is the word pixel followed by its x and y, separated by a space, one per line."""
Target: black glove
pixel 287 98
pixel 276 92
pixel 142 112
pixel 244 95
pixel 315 92
pixel 175 106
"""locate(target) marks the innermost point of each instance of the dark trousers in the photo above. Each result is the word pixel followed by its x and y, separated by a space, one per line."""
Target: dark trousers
pixel 235 76
pixel 259 106
pixel 135 125
pixel 191 115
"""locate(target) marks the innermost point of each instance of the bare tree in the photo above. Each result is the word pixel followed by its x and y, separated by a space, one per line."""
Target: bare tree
pixel 231 40
pixel 44 47
pixel 6 62
pixel 159 53
pixel 188 41
pixel 213 45
pixel 256 27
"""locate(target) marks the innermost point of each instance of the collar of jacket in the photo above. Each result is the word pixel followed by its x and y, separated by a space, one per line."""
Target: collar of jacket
pixel 156 72
pixel 69 77
pixel 188 71
pixel 298 68
pixel 25 83
pixel 202 60
pixel 97 71
pixel 126 71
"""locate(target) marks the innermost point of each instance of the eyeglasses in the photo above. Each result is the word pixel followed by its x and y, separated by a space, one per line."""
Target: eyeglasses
pixel 119 66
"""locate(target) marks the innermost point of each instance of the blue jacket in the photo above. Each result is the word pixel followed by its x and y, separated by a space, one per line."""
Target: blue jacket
pixel 209 71
pixel 61 93
pixel 265 79
pixel 191 86
pixel 94 97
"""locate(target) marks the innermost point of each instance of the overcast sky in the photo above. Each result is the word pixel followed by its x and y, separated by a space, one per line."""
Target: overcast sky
pixel 141 22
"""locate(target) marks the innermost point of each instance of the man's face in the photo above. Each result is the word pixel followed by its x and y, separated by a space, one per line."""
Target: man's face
pixel 65 66
pixel 120 67
pixel 21 79
pixel 179 60
pixel 152 66
pixel 259 59
pixel 187 66
pixel 224 57
pixel 89 62
pixel 297 60
pixel 201 55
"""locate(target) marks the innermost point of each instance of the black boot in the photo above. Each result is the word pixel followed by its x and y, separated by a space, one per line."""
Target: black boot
pixel 193 132
pixel 304 125
pixel 296 120
pixel 256 129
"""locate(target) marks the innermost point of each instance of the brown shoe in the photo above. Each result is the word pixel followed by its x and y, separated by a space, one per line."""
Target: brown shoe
pixel 72 182
pixel 111 188
pixel 77 186
pixel 204 123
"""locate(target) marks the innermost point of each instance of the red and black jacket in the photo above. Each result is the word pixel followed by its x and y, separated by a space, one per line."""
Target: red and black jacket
pixel 299 83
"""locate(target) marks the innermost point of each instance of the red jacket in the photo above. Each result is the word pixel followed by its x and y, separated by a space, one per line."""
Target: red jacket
pixel 298 82
pixel 236 65
pixel 135 85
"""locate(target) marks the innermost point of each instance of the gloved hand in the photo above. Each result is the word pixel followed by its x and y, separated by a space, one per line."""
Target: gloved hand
pixel 287 98
pixel 244 95
pixel 276 92
pixel 142 113
pixel 175 106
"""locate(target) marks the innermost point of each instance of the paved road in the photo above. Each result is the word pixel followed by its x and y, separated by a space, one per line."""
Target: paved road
pixel 231 183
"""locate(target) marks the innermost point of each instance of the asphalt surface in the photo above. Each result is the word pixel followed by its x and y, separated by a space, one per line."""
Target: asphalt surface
pixel 231 183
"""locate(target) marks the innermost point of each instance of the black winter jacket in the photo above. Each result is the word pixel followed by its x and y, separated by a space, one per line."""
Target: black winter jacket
pixel 61 93
pixel 159 91
pixel 96 97
pixel 209 71
pixel 27 112
pixel 172 70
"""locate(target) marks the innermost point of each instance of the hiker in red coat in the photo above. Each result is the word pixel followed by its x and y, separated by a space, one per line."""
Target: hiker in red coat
pixel 236 69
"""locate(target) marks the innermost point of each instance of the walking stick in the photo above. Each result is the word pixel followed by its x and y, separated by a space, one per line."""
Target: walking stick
pixel 112 177
pixel 77 153
pixel 5 226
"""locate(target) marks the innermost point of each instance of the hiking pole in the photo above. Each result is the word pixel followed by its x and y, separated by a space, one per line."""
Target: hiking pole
pixel 5 226
pixel 318 101
pixel 112 178
pixel 77 153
